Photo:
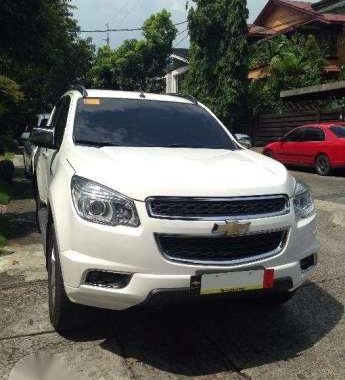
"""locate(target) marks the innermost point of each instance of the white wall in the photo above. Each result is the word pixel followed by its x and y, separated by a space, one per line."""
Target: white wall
pixel 172 80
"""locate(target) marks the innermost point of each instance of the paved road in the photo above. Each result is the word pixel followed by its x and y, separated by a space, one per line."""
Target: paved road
pixel 303 340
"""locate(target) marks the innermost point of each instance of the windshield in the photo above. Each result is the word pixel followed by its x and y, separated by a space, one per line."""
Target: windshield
pixel 338 130
pixel 147 123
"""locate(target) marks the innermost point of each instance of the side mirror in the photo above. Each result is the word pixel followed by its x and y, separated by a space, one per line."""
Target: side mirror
pixel 43 138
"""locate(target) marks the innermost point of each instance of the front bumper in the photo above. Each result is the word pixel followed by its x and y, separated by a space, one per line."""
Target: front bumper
pixel 142 288
pixel 85 246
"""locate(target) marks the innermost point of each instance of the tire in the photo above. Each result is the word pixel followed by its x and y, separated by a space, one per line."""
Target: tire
pixel 38 207
pixel 64 315
pixel 277 299
pixel 26 174
pixel 323 165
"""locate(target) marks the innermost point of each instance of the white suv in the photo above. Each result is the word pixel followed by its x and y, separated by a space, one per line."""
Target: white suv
pixel 149 198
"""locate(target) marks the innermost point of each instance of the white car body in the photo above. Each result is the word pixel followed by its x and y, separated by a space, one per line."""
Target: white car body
pixel 29 151
pixel 142 173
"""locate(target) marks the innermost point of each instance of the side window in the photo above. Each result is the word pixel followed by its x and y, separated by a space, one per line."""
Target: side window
pixel 314 134
pixel 61 120
pixel 295 136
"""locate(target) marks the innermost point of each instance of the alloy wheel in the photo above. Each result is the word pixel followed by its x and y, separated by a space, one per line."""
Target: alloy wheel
pixel 322 165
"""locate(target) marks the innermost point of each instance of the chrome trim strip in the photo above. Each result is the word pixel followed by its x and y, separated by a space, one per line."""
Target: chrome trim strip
pixel 150 212
pixel 251 259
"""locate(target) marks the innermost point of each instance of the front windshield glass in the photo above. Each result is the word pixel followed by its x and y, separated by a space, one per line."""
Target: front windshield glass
pixel 147 123
pixel 338 130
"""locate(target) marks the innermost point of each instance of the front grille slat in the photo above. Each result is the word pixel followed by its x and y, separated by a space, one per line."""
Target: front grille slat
pixel 210 208
pixel 220 249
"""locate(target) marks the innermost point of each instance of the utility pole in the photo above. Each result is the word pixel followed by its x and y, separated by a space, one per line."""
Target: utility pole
pixel 107 40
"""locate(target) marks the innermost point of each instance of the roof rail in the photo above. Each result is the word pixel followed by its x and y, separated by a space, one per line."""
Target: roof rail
pixel 81 89
pixel 184 96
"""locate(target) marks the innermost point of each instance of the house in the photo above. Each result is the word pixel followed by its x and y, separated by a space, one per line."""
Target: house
pixel 333 6
pixel 176 70
pixel 324 19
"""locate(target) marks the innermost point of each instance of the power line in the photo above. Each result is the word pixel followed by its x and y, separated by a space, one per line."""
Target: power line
pixel 179 33
pixel 121 29
pixel 130 10
pixel 183 39
pixel 121 9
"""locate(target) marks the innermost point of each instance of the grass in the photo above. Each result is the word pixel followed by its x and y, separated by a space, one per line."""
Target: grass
pixel 4 200
pixel 3 230
pixel 7 156
pixel 4 188
pixel 2 242
pixel 4 193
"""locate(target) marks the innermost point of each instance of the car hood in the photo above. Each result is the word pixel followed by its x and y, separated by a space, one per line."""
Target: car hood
pixel 143 172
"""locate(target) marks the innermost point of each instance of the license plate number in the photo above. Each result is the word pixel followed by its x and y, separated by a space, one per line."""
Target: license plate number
pixel 213 283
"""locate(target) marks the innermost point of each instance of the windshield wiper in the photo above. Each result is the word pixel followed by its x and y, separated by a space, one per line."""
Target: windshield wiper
pixel 178 146
pixel 193 146
pixel 97 144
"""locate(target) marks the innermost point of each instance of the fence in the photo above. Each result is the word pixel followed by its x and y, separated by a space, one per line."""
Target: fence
pixel 269 127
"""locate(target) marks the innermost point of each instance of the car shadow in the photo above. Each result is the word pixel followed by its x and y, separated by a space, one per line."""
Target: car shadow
pixel 21 187
pixel 340 172
pixel 211 338
pixel 20 227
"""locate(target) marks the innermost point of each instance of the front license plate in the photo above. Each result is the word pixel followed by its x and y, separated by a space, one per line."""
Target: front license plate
pixel 214 283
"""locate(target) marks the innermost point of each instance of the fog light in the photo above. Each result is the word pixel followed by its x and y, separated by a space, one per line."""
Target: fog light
pixel 308 262
pixel 107 279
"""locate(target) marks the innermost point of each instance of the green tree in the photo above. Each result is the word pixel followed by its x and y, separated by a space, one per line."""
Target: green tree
pixel 137 64
pixel 41 50
pixel 294 62
pixel 10 94
pixel 218 73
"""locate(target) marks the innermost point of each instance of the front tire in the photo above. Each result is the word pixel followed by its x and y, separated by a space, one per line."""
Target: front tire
pixel 323 165
pixel 64 315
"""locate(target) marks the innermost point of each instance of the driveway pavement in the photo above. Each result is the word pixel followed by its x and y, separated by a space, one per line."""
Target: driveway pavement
pixel 303 340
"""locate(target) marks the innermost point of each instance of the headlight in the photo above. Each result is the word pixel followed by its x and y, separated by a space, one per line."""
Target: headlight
pixel 99 204
pixel 303 201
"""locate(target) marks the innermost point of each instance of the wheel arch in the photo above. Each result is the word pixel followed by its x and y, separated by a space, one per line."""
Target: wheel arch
pixel 50 223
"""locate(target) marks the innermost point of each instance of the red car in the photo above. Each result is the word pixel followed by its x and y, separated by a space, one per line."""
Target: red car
pixel 321 146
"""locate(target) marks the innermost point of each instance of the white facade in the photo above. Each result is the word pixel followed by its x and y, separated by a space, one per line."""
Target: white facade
pixel 174 77
pixel 173 80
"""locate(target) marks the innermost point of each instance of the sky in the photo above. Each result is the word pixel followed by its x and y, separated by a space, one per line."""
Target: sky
pixel 94 14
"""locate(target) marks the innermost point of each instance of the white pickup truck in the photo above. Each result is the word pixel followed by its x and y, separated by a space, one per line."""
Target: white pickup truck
pixel 146 198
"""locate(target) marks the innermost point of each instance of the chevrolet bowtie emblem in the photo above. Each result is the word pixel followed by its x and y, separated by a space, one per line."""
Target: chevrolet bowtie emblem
pixel 232 228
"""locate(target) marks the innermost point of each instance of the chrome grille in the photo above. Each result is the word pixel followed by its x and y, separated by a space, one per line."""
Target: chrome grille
pixel 221 249
pixel 215 208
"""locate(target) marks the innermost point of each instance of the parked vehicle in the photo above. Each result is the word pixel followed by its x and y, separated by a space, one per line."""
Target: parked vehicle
pixel 144 198
pixel 319 146
pixel 29 150
pixel 244 140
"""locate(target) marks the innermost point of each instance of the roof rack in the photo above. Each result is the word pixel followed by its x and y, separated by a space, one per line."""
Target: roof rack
pixel 184 96
pixel 81 89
